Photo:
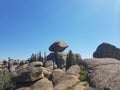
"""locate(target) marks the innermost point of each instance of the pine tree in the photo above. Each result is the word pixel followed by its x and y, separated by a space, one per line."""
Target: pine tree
pixel 70 60
pixel 40 58
pixel 33 58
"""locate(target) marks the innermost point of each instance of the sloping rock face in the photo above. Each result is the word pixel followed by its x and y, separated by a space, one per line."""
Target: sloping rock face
pixel 63 81
pixel 104 73
pixel 74 70
pixel 43 84
pixel 58 46
pixel 106 50
pixel 59 79
pixel 69 80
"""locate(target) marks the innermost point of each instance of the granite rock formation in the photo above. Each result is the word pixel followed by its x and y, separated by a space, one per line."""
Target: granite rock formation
pixel 104 73
pixel 58 46
pixel 106 50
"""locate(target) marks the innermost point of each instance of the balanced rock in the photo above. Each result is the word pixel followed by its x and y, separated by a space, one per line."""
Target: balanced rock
pixel 106 50
pixel 58 46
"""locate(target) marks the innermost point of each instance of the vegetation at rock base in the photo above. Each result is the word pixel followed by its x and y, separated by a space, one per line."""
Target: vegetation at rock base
pixel 83 73
pixel 6 81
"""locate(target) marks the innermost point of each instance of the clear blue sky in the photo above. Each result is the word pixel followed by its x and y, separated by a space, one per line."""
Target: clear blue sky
pixel 30 26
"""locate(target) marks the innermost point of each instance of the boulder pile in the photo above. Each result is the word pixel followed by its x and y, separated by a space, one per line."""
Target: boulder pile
pixel 101 72
pixel 47 75
pixel 58 56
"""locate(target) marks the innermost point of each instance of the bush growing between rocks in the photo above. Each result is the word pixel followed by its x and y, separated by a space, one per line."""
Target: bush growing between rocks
pixel 6 81
pixel 83 73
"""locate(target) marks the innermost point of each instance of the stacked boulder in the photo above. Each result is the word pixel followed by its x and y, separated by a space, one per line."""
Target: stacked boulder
pixel 57 55
pixel 32 76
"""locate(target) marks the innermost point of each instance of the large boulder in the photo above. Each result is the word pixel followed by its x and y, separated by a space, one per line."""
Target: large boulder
pixel 43 84
pixel 74 70
pixel 103 73
pixel 66 82
pixel 106 50
pixel 47 72
pixel 50 65
pixel 36 64
pixel 58 46
pixel 56 75
pixel 28 73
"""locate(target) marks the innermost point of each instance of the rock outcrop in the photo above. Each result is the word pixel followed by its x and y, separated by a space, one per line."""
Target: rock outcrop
pixel 74 70
pixel 58 46
pixel 28 73
pixel 59 58
pixel 106 50
pixel 104 73
pixel 50 65
pixel 43 84
pixel 47 74
pixel 67 81
pixel 57 55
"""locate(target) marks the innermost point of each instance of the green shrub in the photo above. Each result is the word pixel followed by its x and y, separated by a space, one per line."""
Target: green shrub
pixel 6 81
pixel 83 73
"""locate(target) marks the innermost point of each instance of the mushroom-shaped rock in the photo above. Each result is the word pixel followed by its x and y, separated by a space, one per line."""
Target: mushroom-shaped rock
pixel 58 46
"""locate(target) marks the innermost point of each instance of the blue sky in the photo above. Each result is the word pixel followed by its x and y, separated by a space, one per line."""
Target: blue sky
pixel 30 26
